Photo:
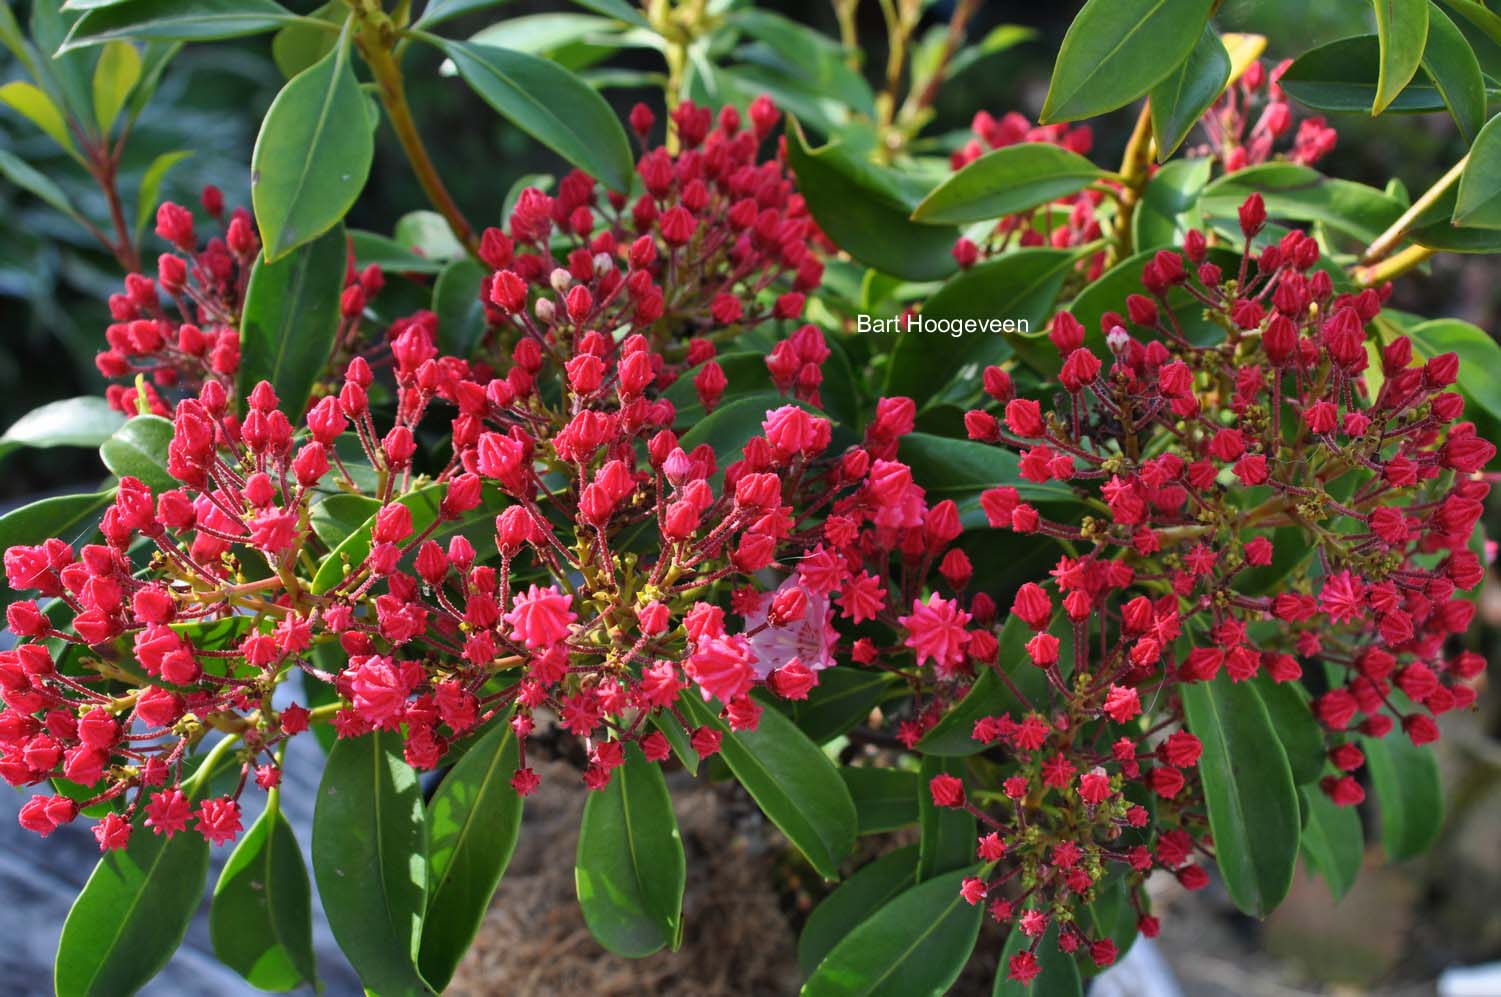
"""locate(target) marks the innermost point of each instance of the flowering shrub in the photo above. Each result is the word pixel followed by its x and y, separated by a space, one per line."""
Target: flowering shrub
pixel 1164 579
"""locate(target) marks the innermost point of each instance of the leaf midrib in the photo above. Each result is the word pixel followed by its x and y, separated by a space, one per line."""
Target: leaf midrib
pixel 1114 51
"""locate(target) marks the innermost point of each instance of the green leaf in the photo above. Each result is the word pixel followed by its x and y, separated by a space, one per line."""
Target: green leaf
pixel 176 20
pixel 1454 69
pixel 301 44
pixel 1479 200
pixel 424 503
pixel 1341 77
pixel 337 517
pixel 1007 181
pixel 885 799
pixel 428 235
pixel 1479 357
pixel 1108 294
pixel 312 155
pixel 1402 27
pixel 857 898
pixel 620 10
pixel 132 913
pixel 865 209
pixel 1117 50
pixel 948 833
pixel 630 867
pixel 1180 100
pixel 28 100
pixel 72 422
pixel 989 696
pixel 1477 14
pixel 290 319
pixel 261 921
pixel 817 61
pixel 1021 286
pixel 1333 840
pixel 1058 974
pixel 390 255
pixel 41 186
pixel 1302 739
pixel 843 698
pixel 370 860
pixel 792 781
pixel 1302 194
pixel 115 75
pixel 139 449
pixel 962 469
pixel 1170 193
pixel 151 187
pixel 917 943
pixel 1411 801
pixel 473 822
pixel 1252 801
pixel 551 105
pixel 438 11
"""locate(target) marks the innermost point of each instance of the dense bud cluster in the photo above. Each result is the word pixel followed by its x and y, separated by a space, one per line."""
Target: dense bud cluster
pixel 1253 117
pixel 1272 494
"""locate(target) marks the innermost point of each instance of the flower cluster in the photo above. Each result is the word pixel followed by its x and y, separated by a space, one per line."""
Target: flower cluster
pixel 1251 118
pixel 182 329
pixel 1277 496
pixel 718 242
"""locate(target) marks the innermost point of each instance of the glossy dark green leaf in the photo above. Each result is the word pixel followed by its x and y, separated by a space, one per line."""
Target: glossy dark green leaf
pixel 1180 100
pixel 1333 840
pixel 176 20
pixel 1475 12
pixel 1402 28
pixel 1117 50
pixel 989 696
pixel 960 469
pixel 1169 194
pixel 133 912
pixel 1302 738
pixel 948 833
pixel 1249 789
pixel 370 860
pixel 916 943
pixel 621 10
pixel 1005 182
pixel 1340 76
pixel 72 422
pixel 865 209
pixel 868 890
pixel 262 918
pixel 1021 286
pixel 337 516
pixel 630 867
pixel 290 320
pixel 139 449
pixel 1451 64
pixel 732 424
pixel 438 11
pixel 792 781
pixel 885 799
pixel 473 821
pixel 312 155
pixel 456 302
pixel 1302 194
pixel 550 104
pixel 1479 201
pixel 1058 974
pixel 351 552
pixel 842 699
pixel 388 254
pixel 64 516
pixel 1408 794
pixel 1479 357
